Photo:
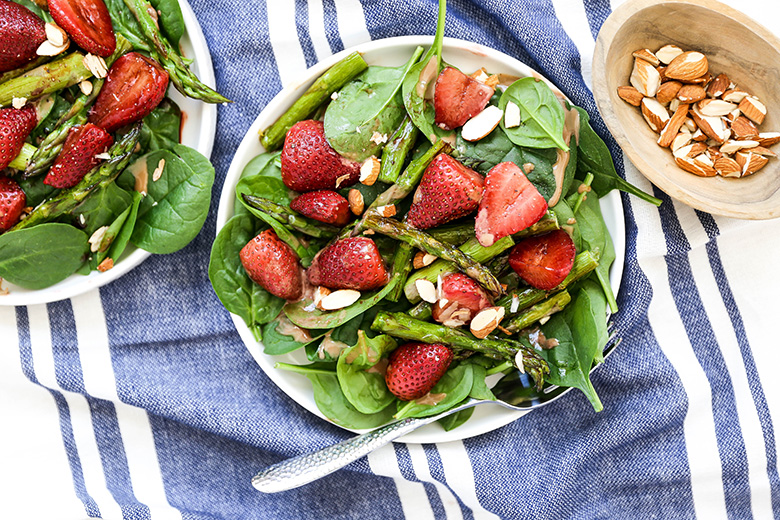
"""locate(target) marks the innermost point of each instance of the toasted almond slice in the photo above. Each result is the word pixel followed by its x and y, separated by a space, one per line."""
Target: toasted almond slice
pixel 426 290
pixel 18 103
pixel 691 94
pixel 627 93
pixel 668 91
pixel 96 65
pixel 86 87
pixel 667 53
pixel 734 96
pixel 695 167
pixel 728 167
pixel 96 240
pixel 732 146
pixel 715 107
pixel 55 34
pixel 106 265
pixel 422 259
pixel 320 293
pixel 654 113
pixel 768 138
pixel 718 86
pixel 680 140
pixel 105 156
pixel 157 173
pixel 355 199
pixel 645 78
pixel 482 124
pixel 688 66
pixel 369 171
pixel 753 109
pixel 750 162
pixel 386 211
pixel 648 56
pixel 486 321
pixel 673 126
pixel 339 299
pixel 47 48
pixel 512 111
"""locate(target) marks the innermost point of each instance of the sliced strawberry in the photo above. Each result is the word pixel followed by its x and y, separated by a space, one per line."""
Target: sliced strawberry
pixel 21 33
pixel 324 205
pixel 351 263
pixel 78 155
pixel 135 85
pixel 510 203
pixel 461 299
pixel 309 163
pixel 458 98
pixel 12 201
pixel 87 22
pixel 273 264
pixel 447 191
pixel 15 125
pixel 544 261
pixel 415 368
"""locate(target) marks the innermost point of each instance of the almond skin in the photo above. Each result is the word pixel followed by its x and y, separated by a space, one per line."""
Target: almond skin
pixel 691 94
pixel 668 91
pixel 630 95
pixel 688 66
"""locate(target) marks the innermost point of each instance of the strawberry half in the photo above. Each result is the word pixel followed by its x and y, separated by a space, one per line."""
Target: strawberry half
pixel 464 299
pixel 457 98
pixel 21 33
pixel 323 205
pixel 12 201
pixel 273 264
pixel 87 22
pixel 544 261
pixel 309 163
pixel 78 155
pixel 448 190
pixel 415 368
pixel 510 203
pixel 15 125
pixel 351 263
pixel 135 85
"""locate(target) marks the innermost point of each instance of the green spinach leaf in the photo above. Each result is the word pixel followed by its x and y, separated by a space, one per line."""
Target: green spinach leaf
pixel 456 419
pixel 304 314
pixel 335 406
pixel 482 155
pixel 541 115
pixel 455 384
pixel 102 207
pixel 365 389
pixel 125 24
pixel 171 19
pixel 275 343
pixel 542 174
pixel 123 237
pixel 36 190
pixel 162 127
pixel 46 125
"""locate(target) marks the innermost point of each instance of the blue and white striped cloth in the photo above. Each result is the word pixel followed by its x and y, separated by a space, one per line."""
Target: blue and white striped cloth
pixel 139 400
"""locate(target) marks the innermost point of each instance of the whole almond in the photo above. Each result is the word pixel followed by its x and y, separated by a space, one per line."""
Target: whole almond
pixel 691 94
pixel 645 78
pixel 627 93
pixel 688 66
pixel 718 86
pixel 668 91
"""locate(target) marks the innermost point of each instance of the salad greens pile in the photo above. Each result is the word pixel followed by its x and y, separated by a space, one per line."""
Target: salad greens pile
pixel 125 200
pixel 555 336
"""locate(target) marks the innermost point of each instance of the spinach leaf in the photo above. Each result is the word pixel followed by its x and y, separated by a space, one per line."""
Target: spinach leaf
pixel 162 127
pixel 126 24
pixel 43 14
pixel 58 107
pixel 587 318
pixel 569 361
pixel 36 190
pixel 568 222
pixel 594 157
pixel 482 155
pixel 335 406
pixel 541 115
pixel 237 292
pixel 595 237
pixel 265 165
pixel 123 237
pixel 304 314
pixel 40 256
pixel 275 343
pixel 542 174
pixel 365 389
pixel 176 205
pixel 102 207
pixel 171 19
pixel 456 384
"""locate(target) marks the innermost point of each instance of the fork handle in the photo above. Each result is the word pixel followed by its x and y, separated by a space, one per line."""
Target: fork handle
pixel 300 470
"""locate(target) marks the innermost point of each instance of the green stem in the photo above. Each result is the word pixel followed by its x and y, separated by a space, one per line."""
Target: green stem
pixel 304 369
pixel 45 79
pixel 395 151
pixel 503 367
pixel 541 310
pixel 402 266
pixel 21 160
pixel 291 218
pixel 438 40
pixel 582 192
pixel 332 80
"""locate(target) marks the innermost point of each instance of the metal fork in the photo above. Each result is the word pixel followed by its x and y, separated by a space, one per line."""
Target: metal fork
pixel 514 391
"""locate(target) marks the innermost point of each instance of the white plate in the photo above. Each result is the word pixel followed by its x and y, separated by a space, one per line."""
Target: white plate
pixel 199 129
pixel 392 52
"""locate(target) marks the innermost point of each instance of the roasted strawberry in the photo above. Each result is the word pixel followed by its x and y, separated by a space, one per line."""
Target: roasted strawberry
pixel 135 85
pixel 15 125
pixel 21 33
pixel 324 205
pixel 350 263
pixel 510 203
pixel 544 261
pixel 461 299
pixel 309 163
pixel 415 368
pixel 273 264
pixel 12 201
pixel 448 190
pixel 78 156
pixel 458 98
pixel 87 22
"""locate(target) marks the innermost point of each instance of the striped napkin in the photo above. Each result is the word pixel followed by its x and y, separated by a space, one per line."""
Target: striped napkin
pixel 139 400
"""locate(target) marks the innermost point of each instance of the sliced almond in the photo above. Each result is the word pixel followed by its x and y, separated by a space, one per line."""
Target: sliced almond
pixel 673 126
pixel 480 75
pixel 688 66
pixel 680 140
pixel 743 128
pixel 355 199
pixel 96 65
pixel 654 113
pixel 667 53
pixel 422 259
pixel 728 167
pixel 86 87
pixel 512 111
pixel 715 107
pixel 648 56
pixel 106 265
pixel 768 138
pixel 734 96
pixel 47 48
pixel 339 299
pixel 388 210
pixel 55 34
pixel 750 162
pixel 96 240
pixel 369 171
pixel 668 91
pixel 718 86
pixel 482 124
pixel 695 167
pixel 691 94
pixel 714 127
pixel 486 321
pixel 627 93
pixel 645 78
pixel 426 290
pixel 753 109
pixel 18 103
pixel 320 293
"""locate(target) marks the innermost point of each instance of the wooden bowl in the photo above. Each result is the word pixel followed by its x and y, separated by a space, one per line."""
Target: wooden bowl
pixel 735 45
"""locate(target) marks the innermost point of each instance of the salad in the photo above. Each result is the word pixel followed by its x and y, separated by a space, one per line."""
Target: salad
pixel 417 229
pixel 90 153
